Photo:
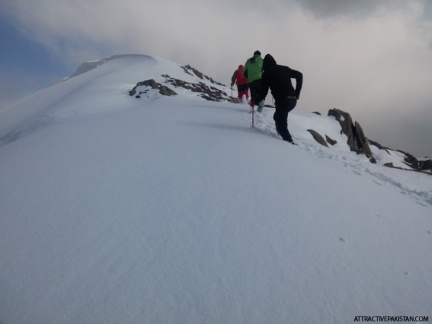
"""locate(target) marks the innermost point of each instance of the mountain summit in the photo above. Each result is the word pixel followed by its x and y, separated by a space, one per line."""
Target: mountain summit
pixel 121 204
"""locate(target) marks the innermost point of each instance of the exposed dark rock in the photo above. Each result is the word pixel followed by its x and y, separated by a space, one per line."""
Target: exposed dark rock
pixel 317 113
pixel 362 142
pixel 356 138
pixel 419 165
pixel 347 126
pixel 206 92
pixel 379 146
pixel 358 142
pixel 425 171
pixel 410 160
pixel 318 137
pixel 192 71
pixel 330 140
pixel 163 90
pixel 425 165
pixel 187 68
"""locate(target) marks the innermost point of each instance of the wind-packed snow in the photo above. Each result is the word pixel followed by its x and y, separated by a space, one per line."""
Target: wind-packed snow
pixel 174 210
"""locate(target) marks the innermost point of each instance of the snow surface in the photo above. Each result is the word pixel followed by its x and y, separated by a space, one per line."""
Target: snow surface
pixel 173 210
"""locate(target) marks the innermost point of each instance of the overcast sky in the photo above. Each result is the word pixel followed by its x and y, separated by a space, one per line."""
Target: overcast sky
pixel 371 58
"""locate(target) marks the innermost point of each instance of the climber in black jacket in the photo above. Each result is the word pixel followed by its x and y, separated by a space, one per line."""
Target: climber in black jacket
pixel 278 79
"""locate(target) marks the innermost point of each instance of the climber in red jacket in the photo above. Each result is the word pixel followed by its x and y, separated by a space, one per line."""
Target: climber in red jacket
pixel 242 83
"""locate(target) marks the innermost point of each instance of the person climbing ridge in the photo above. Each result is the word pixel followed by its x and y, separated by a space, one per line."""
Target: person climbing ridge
pixel 277 78
pixel 253 72
pixel 242 83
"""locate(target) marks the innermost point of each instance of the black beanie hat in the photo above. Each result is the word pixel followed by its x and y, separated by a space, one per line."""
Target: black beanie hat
pixel 257 53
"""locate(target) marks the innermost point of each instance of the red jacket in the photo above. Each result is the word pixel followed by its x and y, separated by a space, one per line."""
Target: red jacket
pixel 238 76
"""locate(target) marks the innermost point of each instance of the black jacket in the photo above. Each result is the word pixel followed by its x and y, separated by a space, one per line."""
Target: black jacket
pixel 278 79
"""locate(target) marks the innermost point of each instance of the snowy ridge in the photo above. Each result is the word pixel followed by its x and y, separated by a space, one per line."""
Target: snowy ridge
pixel 116 209
pixel 117 74
pixel 90 65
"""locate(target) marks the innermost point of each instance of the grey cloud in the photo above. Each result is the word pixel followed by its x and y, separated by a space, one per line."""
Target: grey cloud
pixel 410 134
pixel 353 8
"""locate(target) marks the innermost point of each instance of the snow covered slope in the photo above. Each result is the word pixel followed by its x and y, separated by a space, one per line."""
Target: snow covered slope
pixel 173 210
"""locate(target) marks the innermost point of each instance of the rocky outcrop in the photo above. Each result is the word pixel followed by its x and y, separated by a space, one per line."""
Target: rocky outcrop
pixel 206 89
pixel 424 164
pixel 330 140
pixel 379 146
pixel 317 137
pixel 356 138
pixel 320 140
pixel 142 87
pixel 358 142
pixel 192 71
pixel 206 92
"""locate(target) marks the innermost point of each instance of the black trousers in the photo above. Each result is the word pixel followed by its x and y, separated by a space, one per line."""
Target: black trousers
pixel 242 87
pixel 283 107
pixel 255 87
